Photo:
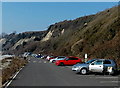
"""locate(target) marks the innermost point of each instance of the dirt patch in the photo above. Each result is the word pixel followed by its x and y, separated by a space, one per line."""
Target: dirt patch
pixel 15 64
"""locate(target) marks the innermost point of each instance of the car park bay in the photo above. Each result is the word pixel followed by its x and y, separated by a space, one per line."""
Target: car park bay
pixel 39 72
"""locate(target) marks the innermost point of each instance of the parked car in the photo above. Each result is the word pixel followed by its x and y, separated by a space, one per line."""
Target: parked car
pixel 69 61
pixel 39 56
pixel 57 58
pixel 96 65
pixel 47 58
pixel 33 55
pixel 44 56
pixel 53 57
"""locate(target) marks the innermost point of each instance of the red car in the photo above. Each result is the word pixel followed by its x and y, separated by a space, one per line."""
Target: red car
pixel 68 61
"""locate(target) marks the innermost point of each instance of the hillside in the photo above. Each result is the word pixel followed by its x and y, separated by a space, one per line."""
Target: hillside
pixel 97 35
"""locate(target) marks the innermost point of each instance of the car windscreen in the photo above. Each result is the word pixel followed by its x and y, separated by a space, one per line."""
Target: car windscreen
pixel 90 61
pixel 60 57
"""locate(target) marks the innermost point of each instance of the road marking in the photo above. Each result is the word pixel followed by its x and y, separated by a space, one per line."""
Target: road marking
pixel 45 62
pixel 109 81
pixel 62 67
pixel 13 78
pixel 34 61
pixel 91 76
pixel 69 67
pixel 39 62
pixel 108 77
pixel 105 77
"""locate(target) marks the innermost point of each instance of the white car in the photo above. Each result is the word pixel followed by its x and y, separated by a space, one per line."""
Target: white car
pixel 47 58
pixel 57 58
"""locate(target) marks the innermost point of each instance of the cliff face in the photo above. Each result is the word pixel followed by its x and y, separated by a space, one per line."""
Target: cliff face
pixel 98 35
pixel 16 43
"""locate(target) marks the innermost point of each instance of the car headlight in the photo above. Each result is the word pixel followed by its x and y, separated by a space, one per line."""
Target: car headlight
pixel 74 66
pixel 79 67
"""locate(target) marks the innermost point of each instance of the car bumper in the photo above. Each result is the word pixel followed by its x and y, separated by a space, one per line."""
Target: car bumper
pixel 75 69
pixel 50 61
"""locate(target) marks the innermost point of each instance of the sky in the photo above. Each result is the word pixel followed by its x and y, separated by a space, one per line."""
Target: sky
pixel 60 0
pixel 38 16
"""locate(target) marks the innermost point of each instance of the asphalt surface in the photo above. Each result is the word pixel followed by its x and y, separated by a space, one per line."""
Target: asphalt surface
pixel 40 72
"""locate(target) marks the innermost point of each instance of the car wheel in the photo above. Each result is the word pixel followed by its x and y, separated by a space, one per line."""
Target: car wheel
pixel 61 64
pixel 53 61
pixel 112 73
pixel 83 71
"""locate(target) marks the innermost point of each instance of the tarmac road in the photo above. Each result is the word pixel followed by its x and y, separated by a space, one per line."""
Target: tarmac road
pixel 40 72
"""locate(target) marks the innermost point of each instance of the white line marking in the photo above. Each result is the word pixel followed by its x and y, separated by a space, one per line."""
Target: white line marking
pixel 34 61
pixel 45 62
pixel 90 76
pixel 13 78
pixel 105 77
pixel 108 77
pixel 28 61
pixel 69 67
pixel 109 81
pixel 39 61
pixel 5 83
pixel 8 84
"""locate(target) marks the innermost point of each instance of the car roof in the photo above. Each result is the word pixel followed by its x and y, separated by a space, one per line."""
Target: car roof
pixel 104 59
pixel 72 57
pixel 60 56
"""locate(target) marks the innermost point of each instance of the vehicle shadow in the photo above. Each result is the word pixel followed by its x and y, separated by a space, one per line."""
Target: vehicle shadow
pixel 105 74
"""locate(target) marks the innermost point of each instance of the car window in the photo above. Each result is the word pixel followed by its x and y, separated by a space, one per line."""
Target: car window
pixel 98 62
pixel 69 58
pixel 107 62
pixel 73 58
pixel 90 61
pixel 66 58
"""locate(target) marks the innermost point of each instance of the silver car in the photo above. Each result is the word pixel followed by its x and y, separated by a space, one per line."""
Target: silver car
pixel 96 65
pixel 57 58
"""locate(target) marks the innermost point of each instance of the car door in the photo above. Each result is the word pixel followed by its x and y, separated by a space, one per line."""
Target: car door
pixel 96 66
pixel 107 66
pixel 74 61
pixel 67 61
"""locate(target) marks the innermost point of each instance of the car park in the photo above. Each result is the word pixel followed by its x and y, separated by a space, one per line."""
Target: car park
pixel 68 61
pixel 57 58
pixel 97 66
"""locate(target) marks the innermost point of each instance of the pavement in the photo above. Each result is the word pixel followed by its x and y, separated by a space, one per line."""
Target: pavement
pixel 39 72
